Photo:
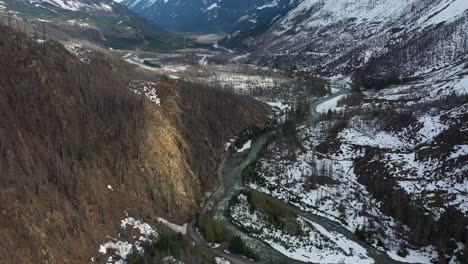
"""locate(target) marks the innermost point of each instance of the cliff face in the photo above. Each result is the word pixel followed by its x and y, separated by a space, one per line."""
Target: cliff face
pixel 82 147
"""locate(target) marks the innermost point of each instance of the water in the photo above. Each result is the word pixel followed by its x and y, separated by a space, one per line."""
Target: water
pixel 233 181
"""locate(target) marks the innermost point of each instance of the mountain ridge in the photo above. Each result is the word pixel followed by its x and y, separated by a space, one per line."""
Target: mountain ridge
pixel 209 15
pixel 89 142
pixel 331 38
pixel 103 22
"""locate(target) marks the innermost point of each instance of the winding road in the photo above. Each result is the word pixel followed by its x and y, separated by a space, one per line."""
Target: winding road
pixel 230 177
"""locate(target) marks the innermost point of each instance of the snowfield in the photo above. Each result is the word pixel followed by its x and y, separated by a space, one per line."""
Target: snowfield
pixel 242 83
pixel 436 84
pixel 325 183
pixel 335 37
pixel 344 200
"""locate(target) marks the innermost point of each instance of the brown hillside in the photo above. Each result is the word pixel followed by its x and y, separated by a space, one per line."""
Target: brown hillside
pixel 69 129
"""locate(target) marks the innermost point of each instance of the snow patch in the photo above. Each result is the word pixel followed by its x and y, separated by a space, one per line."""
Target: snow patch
pixel 329 104
pixel 119 250
pixel 146 88
pixel 221 260
pixel 181 229
pixel 246 146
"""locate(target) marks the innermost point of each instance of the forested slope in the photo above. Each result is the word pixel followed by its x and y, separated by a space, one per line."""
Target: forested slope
pixel 88 141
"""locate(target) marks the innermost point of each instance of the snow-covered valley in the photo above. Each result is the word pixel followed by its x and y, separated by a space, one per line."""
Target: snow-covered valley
pixel 399 133
pixel 384 37
pixel 307 241
pixel 339 167
pixel 335 133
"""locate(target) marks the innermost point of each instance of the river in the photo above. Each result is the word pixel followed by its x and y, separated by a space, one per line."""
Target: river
pixel 231 173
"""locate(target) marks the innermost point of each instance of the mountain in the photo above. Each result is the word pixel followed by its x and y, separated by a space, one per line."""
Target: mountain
pixel 352 146
pixel 332 37
pixel 401 132
pixel 98 7
pixel 89 144
pixel 210 15
pixel 101 21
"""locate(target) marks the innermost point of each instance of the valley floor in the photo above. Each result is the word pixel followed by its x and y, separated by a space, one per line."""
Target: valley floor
pixel 322 173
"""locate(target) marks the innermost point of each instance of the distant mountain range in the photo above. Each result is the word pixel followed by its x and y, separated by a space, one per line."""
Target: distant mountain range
pixel 210 15
pixel 333 37
pixel 100 7
pixel 104 22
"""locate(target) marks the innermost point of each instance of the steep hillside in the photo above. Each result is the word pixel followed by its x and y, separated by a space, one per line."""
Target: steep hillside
pixel 89 144
pixel 332 37
pixel 101 21
pixel 211 15
pixel 395 174
pixel 388 161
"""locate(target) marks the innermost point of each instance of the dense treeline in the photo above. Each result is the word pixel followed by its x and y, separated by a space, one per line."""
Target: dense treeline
pixel 218 115
pixel 215 232
pixel 251 176
pixel 76 148
pixel 277 213
pixel 171 247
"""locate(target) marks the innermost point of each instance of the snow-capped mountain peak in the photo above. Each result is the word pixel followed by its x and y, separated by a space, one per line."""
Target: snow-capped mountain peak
pixel 337 36
pixel 104 6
